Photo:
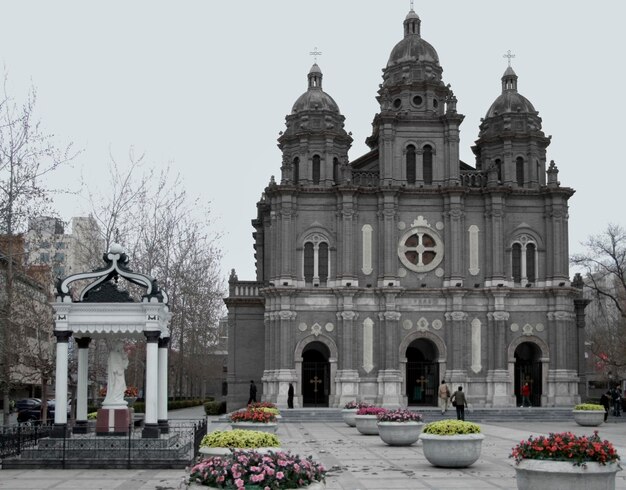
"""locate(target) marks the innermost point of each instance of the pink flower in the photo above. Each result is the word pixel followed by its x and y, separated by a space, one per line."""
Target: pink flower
pixel 257 478
pixel 240 484
pixel 280 475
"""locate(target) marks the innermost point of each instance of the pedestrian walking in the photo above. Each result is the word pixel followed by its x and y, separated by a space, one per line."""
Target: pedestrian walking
pixel 444 396
pixel 459 401
pixel 252 398
pixel 290 396
pixel 605 401
pixel 616 395
pixel 526 395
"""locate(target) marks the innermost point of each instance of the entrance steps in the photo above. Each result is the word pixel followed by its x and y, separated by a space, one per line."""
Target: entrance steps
pixel 540 414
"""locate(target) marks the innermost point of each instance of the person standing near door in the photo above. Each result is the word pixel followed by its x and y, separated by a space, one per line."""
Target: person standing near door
pixel 526 395
pixel 459 401
pixel 444 396
pixel 290 396
pixel 252 398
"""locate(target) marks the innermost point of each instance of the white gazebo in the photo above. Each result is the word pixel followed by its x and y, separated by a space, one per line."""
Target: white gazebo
pixel 103 311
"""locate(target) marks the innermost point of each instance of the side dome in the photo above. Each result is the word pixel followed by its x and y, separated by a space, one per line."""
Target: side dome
pixel 510 100
pixel 315 99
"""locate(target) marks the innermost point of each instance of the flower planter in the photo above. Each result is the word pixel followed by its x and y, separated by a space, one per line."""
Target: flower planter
pixel 367 424
pixel 455 451
pixel 263 427
pixel 312 486
pixel 222 451
pixel 399 433
pixel 532 474
pixel 588 418
pixel 348 416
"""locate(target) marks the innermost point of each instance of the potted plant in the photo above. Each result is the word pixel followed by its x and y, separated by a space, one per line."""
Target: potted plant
pixel 588 414
pixel 366 419
pixel 564 460
pixel 130 394
pixel 271 410
pixel 253 420
pixel 400 427
pixel 349 411
pixel 221 442
pixel 249 469
pixel 451 443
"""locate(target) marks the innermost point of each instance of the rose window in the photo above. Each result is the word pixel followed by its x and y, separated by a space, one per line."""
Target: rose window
pixel 420 249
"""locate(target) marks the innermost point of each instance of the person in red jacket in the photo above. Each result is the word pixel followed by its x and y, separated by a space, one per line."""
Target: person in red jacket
pixel 526 396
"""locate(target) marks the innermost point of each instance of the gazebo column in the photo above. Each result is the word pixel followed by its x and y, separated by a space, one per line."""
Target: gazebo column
pixel 151 425
pixel 60 411
pixel 82 426
pixel 162 386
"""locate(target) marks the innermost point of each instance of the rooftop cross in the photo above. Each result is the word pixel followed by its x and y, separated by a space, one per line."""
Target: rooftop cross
pixel 509 56
pixel 411 4
pixel 315 53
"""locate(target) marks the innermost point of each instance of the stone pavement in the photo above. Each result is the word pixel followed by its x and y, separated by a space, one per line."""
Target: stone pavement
pixel 356 462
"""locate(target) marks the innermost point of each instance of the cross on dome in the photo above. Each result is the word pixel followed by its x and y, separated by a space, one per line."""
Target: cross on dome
pixel 509 56
pixel 315 53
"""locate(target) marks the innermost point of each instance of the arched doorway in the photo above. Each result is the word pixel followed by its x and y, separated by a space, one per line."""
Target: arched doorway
pixel 422 372
pixel 315 375
pixel 528 370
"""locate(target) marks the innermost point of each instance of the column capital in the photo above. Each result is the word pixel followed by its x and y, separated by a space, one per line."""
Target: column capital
pixel 164 342
pixel 152 336
pixel 63 336
pixel 83 342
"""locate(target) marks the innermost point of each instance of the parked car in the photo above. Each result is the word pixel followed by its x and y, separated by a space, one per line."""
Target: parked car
pixel 29 410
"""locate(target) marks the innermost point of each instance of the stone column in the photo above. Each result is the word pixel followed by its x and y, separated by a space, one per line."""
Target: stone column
pixel 151 426
pixel 60 411
pixel 162 386
pixel 81 426
pixel 348 374
pixel 390 378
pixel 498 377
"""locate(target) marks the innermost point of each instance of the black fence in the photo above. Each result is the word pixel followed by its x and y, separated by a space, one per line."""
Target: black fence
pixel 31 447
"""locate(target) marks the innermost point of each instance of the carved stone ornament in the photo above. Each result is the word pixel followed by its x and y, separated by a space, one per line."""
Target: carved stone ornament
pixel 437 324
pixel 329 327
pixel 514 327
pixel 287 315
pixel 560 315
pixel 499 315
pixel 407 324
pixel 456 316
pixel 527 329
pixel 302 327
pixel 316 329
pixel 392 315
pixel 422 324
pixel 348 315
pixel 539 327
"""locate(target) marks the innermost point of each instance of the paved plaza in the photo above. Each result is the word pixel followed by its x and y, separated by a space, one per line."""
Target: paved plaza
pixel 355 462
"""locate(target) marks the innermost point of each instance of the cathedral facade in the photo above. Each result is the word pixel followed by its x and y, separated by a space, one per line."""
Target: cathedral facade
pixel 381 276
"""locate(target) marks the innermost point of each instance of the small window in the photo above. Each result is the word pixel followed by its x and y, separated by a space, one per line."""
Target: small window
pixel 316 169
pixel 435 103
pixel 336 170
pixel 410 164
pixel 519 171
pixel 397 103
pixel 308 262
pixel 530 262
pixel 417 100
pixel 428 164
pixel 498 163
pixel 323 263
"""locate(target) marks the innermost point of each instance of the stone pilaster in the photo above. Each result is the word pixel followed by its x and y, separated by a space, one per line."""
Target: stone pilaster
pixel 60 411
pixel 81 426
pixel 151 425
pixel 162 413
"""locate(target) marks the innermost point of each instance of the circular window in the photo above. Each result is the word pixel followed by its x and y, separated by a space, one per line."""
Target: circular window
pixel 397 103
pixel 417 100
pixel 435 102
pixel 420 249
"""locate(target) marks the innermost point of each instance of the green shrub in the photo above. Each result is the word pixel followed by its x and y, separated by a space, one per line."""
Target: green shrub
pixel 245 439
pixel 140 407
pixel 92 415
pixel 589 406
pixel 215 408
pixel 273 411
pixel 451 428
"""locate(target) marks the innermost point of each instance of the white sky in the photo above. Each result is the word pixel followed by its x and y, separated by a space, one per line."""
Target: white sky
pixel 207 84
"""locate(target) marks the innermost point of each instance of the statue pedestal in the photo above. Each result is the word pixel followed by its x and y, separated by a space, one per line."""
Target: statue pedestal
pixel 114 421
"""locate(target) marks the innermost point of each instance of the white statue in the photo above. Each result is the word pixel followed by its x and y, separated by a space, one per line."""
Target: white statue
pixel 116 384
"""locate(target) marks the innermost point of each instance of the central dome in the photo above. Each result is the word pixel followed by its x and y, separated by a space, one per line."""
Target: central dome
pixel 315 99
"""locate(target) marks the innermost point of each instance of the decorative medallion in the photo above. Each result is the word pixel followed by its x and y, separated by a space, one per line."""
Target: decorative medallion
pixel 439 225
pixel 420 249
pixel 539 327
pixel 437 324
pixel 302 327
pixel 407 324
pixel 329 327
pixel 316 329
pixel 514 327
pixel 422 324
pixel 439 272
pixel 401 225
pixel 527 329
pixel 401 272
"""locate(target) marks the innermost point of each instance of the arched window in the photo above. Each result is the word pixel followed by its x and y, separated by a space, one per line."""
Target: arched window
pixel 428 164
pixel 323 262
pixel 498 163
pixel 309 263
pixel 336 170
pixel 316 169
pixel 316 265
pixel 516 257
pixel 519 171
pixel 410 164
pixel 296 170
pixel 530 262
pixel 524 260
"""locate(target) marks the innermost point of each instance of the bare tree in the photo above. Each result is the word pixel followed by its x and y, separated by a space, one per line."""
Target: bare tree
pixel 27 156
pixel 604 264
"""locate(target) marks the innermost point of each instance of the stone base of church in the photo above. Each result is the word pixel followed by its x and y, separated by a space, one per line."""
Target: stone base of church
pixel 390 388
pixel 114 421
pixel 562 388
pixel 346 386
pixel 276 387
pixel 499 392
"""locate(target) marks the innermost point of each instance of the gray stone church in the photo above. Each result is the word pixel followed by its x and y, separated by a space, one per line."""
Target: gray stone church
pixel 380 276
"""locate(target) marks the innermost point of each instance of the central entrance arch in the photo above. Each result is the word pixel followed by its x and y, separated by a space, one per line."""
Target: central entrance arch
pixel 422 372
pixel 528 370
pixel 315 375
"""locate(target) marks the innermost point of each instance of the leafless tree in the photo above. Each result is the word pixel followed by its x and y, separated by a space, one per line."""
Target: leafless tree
pixel 27 156
pixel 604 264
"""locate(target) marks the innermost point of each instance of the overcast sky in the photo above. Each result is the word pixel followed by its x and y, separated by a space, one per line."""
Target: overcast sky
pixel 206 85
